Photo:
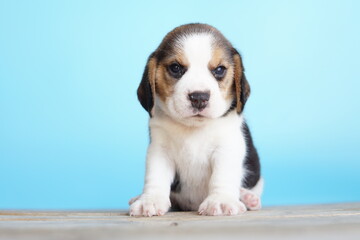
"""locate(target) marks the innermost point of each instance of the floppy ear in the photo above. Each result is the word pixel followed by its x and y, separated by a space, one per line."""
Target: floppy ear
pixel 242 87
pixel 146 89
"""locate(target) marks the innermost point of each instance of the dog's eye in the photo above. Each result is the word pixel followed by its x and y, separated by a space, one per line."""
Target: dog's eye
pixel 219 72
pixel 176 70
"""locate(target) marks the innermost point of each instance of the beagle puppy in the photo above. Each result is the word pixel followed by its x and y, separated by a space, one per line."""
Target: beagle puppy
pixel 201 155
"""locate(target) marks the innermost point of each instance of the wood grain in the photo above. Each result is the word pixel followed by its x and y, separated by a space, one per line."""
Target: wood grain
pixel 332 221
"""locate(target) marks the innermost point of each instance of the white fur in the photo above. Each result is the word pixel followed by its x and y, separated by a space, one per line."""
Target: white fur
pixel 207 152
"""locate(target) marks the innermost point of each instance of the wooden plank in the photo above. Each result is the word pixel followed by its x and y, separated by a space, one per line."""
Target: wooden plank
pixel 285 222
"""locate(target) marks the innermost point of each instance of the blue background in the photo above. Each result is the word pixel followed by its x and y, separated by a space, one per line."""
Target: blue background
pixel 73 135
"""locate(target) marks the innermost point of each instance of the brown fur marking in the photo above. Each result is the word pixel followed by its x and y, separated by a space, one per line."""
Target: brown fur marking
pixel 220 58
pixel 164 83
pixel 237 77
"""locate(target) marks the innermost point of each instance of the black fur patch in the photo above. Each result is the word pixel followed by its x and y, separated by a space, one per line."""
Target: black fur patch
pixel 176 185
pixel 144 92
pixel 252 162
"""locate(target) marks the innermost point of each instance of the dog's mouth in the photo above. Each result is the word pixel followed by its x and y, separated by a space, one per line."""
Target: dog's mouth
pixel 198 113
pixel 199 116
pixel 196 116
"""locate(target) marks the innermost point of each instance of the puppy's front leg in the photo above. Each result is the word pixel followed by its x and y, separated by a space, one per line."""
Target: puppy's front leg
pixel 224 185
pixel 159 174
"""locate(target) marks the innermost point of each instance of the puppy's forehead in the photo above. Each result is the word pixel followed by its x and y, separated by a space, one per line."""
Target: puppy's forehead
pixel 198 48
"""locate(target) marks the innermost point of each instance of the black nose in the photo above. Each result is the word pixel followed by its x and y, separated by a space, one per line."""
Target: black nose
pixel 199 100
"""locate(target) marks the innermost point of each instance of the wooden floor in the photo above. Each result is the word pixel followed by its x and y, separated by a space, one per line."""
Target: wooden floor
pixel 336 221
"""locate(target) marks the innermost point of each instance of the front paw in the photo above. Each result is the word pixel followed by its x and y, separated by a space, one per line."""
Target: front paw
pixel 149 205
pixel 217 204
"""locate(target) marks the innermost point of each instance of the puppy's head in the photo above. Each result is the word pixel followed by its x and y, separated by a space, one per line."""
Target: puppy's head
pixel 194 75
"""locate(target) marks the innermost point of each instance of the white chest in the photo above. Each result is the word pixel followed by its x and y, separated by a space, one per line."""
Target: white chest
pixel 192 150
pixel 192 157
